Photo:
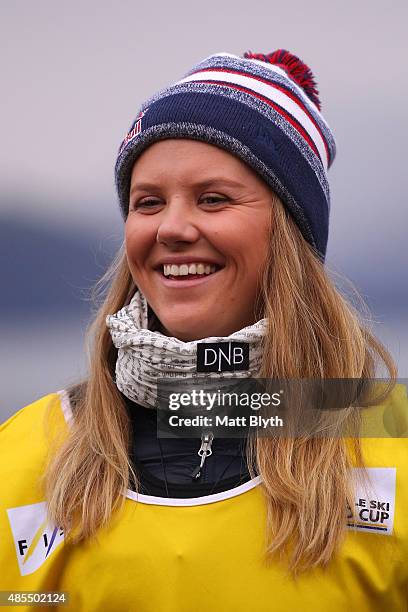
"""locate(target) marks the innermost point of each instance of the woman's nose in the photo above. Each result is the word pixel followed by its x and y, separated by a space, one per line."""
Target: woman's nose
pixel 177 223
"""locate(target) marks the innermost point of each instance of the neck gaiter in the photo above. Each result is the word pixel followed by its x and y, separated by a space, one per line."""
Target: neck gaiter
pixel 145 356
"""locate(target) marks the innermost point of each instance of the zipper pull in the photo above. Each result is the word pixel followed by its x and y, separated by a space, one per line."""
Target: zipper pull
pixel 204 452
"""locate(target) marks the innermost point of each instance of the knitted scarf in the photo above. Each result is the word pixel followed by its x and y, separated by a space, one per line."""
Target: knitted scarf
pixel 145 356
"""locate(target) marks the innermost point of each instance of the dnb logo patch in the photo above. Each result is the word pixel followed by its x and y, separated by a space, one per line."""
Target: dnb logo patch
pixel 374 503
pixel 35 539
pixel 222 356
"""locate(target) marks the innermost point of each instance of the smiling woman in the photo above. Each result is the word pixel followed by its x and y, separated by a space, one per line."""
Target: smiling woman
pixel 204 206
pixel 222 184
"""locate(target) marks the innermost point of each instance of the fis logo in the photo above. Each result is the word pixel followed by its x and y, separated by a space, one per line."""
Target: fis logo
pixel 222 356
pixel 134 131
pixel 35 539
pixel 374 504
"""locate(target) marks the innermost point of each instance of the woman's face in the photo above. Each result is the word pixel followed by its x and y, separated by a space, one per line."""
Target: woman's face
pixel 193 203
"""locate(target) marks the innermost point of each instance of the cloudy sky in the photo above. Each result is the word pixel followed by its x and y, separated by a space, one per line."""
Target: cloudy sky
pixel 74 74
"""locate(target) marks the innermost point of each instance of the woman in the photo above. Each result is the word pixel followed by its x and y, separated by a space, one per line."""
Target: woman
pixel 222 184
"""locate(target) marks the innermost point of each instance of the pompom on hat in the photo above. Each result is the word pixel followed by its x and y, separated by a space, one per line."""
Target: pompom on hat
pixel 265 109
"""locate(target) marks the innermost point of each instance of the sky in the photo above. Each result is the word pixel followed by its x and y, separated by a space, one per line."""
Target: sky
pixel 75 73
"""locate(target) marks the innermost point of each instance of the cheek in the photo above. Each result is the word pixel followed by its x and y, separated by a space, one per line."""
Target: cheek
pixel 260 234
pixel 257 247
pixel 138 241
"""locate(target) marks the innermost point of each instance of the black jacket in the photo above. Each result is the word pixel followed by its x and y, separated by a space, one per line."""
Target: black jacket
pixel 165 466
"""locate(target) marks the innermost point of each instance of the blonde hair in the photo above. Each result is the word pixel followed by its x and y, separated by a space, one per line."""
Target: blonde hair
pixel 313 332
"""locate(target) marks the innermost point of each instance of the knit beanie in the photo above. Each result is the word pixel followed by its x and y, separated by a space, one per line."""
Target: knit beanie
pixel 265 110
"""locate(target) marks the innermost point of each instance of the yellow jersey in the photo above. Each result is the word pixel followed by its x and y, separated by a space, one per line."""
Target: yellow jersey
pixel 201 554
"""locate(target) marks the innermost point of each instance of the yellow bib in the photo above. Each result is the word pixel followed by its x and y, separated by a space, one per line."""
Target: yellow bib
pixel 204 554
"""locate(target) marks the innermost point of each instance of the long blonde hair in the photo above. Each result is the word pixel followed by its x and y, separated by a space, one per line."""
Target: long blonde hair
pixel 313 332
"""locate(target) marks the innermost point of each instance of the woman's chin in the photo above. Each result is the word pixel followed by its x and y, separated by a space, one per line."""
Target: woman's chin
pixel 187 333
pixel 188 326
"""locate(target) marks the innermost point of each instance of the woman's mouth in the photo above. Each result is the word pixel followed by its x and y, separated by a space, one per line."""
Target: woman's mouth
pixel 178 271
pixel 187 275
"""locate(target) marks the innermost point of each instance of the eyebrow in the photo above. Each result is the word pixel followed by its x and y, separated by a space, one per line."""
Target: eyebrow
pixel 144 186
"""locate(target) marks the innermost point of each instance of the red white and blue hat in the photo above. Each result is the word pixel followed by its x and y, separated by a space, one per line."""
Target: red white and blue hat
pixel 265 110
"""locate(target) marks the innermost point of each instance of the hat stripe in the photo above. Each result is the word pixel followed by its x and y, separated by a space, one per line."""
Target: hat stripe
pixel 320 154
pixel 284 90
pixel 284 103
pixel 264 65
pixel 280 77
pixel 280 110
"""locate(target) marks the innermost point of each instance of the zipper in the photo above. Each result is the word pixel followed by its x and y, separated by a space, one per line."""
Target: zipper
pixel 204 452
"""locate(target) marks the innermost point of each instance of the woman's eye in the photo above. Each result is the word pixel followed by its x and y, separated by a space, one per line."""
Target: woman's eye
pixel 213 199
pixel 148 203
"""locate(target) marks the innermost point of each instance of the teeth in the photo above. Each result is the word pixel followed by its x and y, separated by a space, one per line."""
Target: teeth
pixel 186 269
